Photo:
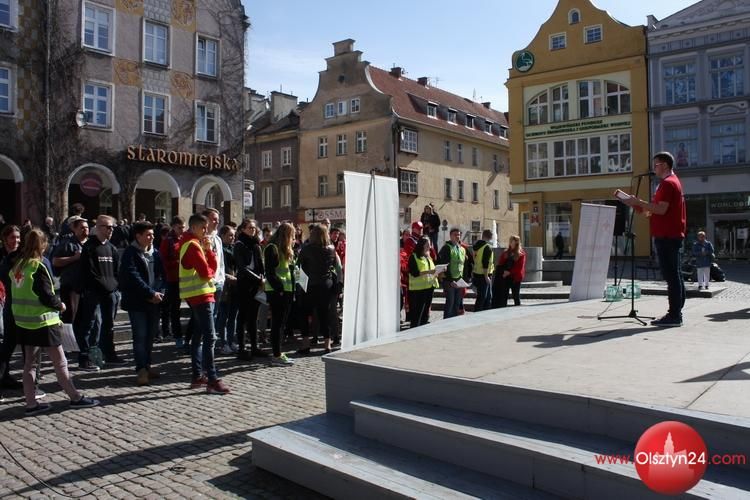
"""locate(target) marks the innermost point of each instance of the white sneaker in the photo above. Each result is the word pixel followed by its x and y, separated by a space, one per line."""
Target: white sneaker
pixel 281 360
pixel 227 349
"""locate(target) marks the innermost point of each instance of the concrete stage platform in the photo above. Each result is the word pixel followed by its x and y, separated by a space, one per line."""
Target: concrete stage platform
pixel 519 400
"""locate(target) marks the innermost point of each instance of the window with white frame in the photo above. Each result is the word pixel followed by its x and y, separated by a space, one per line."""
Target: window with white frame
pixel 448 188
pixel 354 105
pixel 408 182
pixel 322 186
pixel 592 34
pixel 432 110
pixel 618 153
pixel 341 110
pixel 488 127
pixel 589 155
pixel 474 157
pixel 618 99
pixel 286 157
pixel 728 143
pixel 560 105
pixel 267 159
pixel 504 132
pixel 156 43
pixel 460 189
pixel 469 121
pixel 590 98
pixel 286 195
pixel 409 140
pixel 207 122
pixel 557 41
pixel 267 196
pixel 6 90
pixel 97 104
pixel 451 116
pixel 322 147
pixel 679 82
pixel 538 109
pixel 682 141
pixel 574 16
pixel 447 149
pixel 496 199
pixel 460 153
pixel 475 192
pixel 154 114
pixel 98 27
pixel 361 146
pixel 340 183
pixel 574 157
pixel 330 110
pixel 208 56
pixel 727 76
pixel 340 144
pixel 537 161
pixel 564 158
pixel 8 13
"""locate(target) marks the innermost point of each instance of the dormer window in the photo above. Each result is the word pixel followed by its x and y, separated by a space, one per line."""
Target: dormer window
pixel 469 121
pixel 451 116
pixel 504 132
pixel 574 16
pixel 432 110
pixel 488 127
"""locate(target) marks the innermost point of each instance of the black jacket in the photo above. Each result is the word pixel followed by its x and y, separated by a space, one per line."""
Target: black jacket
pixel 319 264
pixel 134 280
pixel 99 266
pixel 248 259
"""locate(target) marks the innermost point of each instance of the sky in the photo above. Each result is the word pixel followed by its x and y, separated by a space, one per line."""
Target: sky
pixel 464 46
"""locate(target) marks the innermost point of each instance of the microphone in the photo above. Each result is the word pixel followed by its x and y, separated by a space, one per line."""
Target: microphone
pixel 647 174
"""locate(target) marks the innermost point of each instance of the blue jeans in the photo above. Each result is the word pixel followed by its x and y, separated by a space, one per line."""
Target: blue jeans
pixel 226 321
pixel 203 331
pixel 145 326
pixel 452 300
pixel 669 251
pixel 84 325
pixel 484 293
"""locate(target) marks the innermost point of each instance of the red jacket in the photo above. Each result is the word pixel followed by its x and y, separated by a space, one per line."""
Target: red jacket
pixel 517 269
pixel 169 251
pixel 204 264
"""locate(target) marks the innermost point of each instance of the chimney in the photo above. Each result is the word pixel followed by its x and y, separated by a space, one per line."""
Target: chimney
pixel 281 105
pixel 651 21
pixel 487 104
pixel 343 47
pixel 423 80
pixel 397 71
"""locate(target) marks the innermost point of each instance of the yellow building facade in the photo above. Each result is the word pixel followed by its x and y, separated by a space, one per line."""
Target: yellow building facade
pixel 578 111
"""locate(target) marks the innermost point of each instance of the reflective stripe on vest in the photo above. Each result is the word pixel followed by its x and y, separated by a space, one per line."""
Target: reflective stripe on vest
pixel 456 264
pixel 28 312
pixel 282 272
pixel 423 281
pixel 191 283
pixel 479 256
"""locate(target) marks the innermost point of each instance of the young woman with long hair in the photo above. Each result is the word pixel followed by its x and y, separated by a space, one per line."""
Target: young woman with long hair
pixel 36 310
pixel 278 258
pixel 509 273
pixel 422 282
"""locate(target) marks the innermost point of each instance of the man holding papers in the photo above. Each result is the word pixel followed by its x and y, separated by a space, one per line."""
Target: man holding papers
pixel 454 256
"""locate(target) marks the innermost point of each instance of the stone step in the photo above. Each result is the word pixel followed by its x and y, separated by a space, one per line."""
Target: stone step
pixel 554 461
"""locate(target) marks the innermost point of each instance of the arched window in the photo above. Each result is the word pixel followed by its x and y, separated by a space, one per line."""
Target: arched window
pixel 163 205
pixel 574 16
pixel 105 202
pixel 618 98
pixel 538 109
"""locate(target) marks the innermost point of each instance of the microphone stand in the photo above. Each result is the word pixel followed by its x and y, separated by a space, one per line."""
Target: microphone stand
pixel 630 235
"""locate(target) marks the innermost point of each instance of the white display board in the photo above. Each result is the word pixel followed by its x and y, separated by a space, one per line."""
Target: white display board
pixel 371 281
pixel 593 249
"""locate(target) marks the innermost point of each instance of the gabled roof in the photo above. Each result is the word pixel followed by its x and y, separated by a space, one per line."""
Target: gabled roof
pixel 701 12
pixel 409 99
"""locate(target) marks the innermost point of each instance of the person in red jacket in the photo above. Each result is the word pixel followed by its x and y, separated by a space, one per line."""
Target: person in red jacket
pixel 169 251
pixel 509 273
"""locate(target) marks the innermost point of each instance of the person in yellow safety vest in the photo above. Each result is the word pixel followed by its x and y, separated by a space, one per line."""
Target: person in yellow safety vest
pixel 422 283
pixel 278 257
pixel 484 266
pixel 454 255
pixel 197 266
pixel 36 310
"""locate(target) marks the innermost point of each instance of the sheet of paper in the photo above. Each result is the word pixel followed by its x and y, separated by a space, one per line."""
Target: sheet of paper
pixel 304 279
pixel 441 268
pixel 462 284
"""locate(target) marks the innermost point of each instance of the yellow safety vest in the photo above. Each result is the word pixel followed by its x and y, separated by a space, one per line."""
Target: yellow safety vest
pixel 456 264
pixel 478 257
pixel 282 271
pixel 423 281
pixel 28 312
pixel 191 283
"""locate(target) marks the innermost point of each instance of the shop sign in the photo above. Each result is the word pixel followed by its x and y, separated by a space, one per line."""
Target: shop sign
pixel 90 184
pixel 524 61
pixel 576 127
pixel 322 214
pixel 183 158
pixel 729 203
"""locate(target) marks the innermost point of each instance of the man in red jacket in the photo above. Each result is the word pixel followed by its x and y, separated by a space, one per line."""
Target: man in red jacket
pixel 169 251
pixel 196 272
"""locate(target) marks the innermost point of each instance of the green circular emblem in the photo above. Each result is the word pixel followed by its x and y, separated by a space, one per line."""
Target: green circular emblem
pixel 524 61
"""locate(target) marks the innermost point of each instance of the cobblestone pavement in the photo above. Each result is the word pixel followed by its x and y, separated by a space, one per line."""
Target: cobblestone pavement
pixel 168 441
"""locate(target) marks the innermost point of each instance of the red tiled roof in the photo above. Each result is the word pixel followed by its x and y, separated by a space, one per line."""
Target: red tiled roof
pixel 409 100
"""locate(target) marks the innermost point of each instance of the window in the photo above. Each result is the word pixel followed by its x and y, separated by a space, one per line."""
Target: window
pixel 592 34
pixel 322 147
pixel 618 148
pixel 565 158
pixel 504 132
pixel 727 78
pixel 469 121
pixel 267 159
pixel 286 195
pixel 409 140
pixel 683 142
pixel 330 110
pixel 448 188
pixel 589 155
pixel 589 98
pixel 728 143
pixel 451 116
pixel 537 162
pixel 474 157
pixel 557 41
pixel 98 25
pixel 574 16
pixel 154 114
pixel 322 186
pixel 447 149
pixel 208 56
pixel 341 144
pixel 340 183
pixel 679 83
pixel 460 153
pixel 361 141
pixel 475 192
pixel 431 110
pixel 8 13
pixel 6 91
pixel 207 122
pixel 97 104
pixel 341 108
pixel 488 127
pixel 560 111
pixel 496 199
pixel 267 196
pixel 408 182
pixel 354 105
pixel 460 188
pixel 538 109
pixel 286 157
pixel 618 99
pixel 156 42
